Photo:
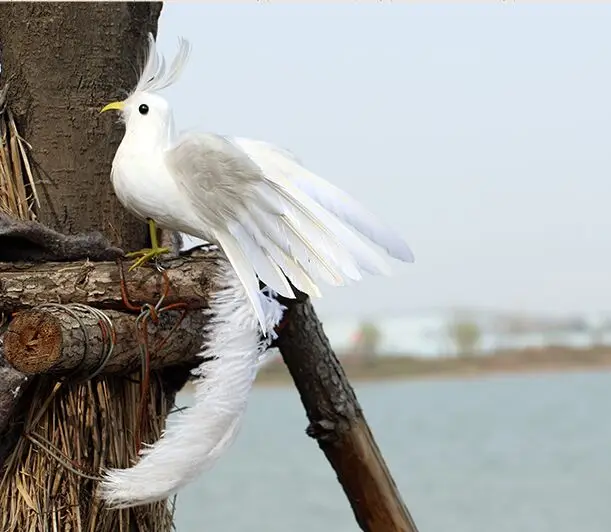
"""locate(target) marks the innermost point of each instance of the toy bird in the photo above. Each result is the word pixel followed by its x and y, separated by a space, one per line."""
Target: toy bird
pixel 273 219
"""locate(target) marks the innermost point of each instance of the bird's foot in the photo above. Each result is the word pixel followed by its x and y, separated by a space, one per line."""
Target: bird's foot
pixel 145 255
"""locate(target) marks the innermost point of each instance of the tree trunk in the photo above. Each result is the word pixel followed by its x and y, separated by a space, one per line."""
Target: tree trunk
pixel 64 62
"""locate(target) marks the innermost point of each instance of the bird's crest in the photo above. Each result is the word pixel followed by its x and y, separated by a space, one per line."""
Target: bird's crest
pixel 154 76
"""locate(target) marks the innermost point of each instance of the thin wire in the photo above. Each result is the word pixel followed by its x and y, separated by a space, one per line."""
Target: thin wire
pixel 152 313
pixel 107 330
pixel 148 312
pixel 109 336
pixel 3 323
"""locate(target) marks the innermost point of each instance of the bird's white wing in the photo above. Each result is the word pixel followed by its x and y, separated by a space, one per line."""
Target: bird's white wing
pixel 259 228
pixel 265 224
pixel 328 196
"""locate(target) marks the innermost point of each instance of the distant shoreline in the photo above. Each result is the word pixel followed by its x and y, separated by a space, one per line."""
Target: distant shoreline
pixel 397 368
pixel 392 368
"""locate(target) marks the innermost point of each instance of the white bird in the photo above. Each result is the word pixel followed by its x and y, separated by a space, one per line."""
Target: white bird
pixel 273 219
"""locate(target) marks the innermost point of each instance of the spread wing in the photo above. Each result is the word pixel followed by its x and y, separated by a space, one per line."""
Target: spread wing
pixel 328 196
pixel 266 224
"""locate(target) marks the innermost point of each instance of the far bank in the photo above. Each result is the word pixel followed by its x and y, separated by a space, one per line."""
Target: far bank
pixel 531 360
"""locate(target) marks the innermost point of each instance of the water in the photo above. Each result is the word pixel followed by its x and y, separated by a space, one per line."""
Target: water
pixel 517 453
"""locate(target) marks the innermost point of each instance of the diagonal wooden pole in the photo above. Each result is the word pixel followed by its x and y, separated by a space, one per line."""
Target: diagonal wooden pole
pixel 338 424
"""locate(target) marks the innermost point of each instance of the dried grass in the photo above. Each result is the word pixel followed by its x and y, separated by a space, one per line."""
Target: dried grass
pixel 71 431
pixel 18 195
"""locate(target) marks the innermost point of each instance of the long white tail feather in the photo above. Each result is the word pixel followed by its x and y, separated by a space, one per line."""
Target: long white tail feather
pixel 196 439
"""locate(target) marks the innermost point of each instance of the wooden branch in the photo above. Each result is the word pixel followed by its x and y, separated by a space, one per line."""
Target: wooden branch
pixel 63 340
pixel 338 424
pixel 13 384
pixel 27 285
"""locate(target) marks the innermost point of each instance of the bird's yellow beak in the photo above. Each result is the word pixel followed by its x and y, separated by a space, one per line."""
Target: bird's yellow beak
pixel 114 105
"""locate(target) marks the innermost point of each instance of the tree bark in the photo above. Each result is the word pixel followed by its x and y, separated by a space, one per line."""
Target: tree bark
pixel 12 385
pixel 65 61
pixel 338 424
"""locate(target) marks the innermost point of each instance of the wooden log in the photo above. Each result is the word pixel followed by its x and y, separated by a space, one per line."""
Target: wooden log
pixel 338 424
pixel 27 285
pixel 73 340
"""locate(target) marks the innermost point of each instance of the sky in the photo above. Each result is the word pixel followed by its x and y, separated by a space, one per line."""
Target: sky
pixel 481 133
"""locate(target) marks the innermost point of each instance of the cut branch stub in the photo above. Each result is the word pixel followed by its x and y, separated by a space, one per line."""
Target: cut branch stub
pixel 63 340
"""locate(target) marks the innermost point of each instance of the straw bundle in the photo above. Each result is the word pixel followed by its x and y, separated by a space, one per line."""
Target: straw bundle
pixel 71 432
pixel 18 194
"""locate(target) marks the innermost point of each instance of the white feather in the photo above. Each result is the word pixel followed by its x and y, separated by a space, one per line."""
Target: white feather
pixel 199 435
pixel 274 216
pixel 244 270
pixel 154 76
pixel 310 216
pixel 329 196
pixel 269 272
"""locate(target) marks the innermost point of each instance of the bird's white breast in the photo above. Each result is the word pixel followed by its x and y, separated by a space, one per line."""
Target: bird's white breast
pixel 144 187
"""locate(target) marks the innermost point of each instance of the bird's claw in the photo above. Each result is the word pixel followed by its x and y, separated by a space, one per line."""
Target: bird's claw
pixel 145 255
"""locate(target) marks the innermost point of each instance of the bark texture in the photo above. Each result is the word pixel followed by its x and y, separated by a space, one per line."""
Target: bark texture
pixel 65 61
pixel 27 285
pixel 338 424
pixel 12 386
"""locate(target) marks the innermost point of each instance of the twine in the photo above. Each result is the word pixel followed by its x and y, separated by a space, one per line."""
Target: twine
pixel 107 329
pixel 152 313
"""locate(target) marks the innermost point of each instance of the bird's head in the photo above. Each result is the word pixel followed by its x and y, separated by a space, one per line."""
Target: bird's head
pixel 144 109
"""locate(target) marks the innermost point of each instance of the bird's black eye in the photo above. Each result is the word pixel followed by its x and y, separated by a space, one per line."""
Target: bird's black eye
pixel 143 109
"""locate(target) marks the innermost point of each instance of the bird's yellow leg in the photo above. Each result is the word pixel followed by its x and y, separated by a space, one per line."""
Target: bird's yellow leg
pixel 144 255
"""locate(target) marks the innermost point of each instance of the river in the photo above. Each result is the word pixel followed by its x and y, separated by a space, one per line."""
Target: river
pixel 505 453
